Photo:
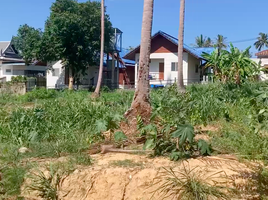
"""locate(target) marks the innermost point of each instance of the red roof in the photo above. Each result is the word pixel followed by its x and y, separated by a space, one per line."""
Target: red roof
pixel 262 54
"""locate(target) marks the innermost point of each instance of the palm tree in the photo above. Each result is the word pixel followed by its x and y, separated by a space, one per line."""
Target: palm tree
pixel 97 90
pixel 202 41
pixel 180 83
pixel 261 42
pixel 141 103
pixel 209 43
pixel 220 43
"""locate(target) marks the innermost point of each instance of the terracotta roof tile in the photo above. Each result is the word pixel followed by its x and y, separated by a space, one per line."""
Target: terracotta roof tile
pixel 262 54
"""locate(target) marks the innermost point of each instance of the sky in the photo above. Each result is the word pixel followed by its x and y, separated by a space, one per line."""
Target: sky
pixel 238 20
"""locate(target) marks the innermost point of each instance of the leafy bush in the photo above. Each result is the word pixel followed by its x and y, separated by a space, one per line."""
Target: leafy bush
pixel 18 79
pixel 177 144
pixel 40 93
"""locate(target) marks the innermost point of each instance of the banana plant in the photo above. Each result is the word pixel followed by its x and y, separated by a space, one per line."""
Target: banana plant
pixel 240 65
pixel 216 61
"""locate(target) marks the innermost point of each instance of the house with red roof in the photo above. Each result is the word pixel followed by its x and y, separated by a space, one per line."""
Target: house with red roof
pixel 164 61
pixel 262 59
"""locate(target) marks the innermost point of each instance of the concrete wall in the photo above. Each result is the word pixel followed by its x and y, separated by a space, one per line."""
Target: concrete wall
pixel 189 63
pixel 15 88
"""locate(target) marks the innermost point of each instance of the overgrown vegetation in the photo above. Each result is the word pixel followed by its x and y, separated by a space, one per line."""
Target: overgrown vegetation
pixel 59 123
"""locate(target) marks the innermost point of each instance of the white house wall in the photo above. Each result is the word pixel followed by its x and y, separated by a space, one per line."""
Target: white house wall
pixel 59 81
pixel 264 61
pixel 193 76
pixel 8 75
pixel 52 81
pixel 22 67
pixel 167 58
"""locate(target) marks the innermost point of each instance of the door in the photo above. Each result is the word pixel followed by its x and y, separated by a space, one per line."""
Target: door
pixel 161 71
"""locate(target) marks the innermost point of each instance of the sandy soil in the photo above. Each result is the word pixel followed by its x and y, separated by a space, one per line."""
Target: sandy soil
pixel 109 179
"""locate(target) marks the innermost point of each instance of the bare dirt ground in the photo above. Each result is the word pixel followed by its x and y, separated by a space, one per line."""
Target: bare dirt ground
pixel 117 176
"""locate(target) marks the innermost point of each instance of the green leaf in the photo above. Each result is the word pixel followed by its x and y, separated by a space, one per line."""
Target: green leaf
pixel 101 125
pixel 184 132
pixel 119 136
pixel 176 155
pixel 149 144
pixel 262 111
pixel 204 147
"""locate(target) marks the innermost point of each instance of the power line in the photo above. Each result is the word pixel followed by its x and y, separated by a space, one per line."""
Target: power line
pixel 246 40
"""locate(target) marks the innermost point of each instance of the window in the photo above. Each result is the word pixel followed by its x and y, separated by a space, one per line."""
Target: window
pixel 18 72
pixel 8 70
pixel 56 72
pixel 196 68
pixel 174 66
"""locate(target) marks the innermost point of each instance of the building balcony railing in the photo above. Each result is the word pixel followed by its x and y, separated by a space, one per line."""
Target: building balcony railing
pixel 154 75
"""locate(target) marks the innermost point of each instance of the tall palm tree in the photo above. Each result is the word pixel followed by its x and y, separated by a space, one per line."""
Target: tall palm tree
pixel 97 90
pixel 141 103
pixel 203 41
pixel 209 43
pixel 180 83
pixel 261 42
pixel 220 43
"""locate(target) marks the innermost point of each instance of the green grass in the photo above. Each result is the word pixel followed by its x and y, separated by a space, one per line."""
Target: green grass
pixel 12 177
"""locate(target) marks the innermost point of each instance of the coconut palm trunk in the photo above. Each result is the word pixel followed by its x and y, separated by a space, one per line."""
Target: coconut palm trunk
pixel 180 83
pixel 141 103
pixel 97 90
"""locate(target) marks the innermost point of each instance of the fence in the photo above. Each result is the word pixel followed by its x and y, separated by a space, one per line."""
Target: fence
pixel 35 82
pixel 155 83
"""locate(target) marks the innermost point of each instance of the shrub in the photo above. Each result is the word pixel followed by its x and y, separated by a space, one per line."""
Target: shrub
pixel 18 79
pixel 40 93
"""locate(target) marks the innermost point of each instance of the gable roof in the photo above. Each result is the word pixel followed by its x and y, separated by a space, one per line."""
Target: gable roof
pixel 4 46
pixel 172 39
pixel 9 53
pixel 262 54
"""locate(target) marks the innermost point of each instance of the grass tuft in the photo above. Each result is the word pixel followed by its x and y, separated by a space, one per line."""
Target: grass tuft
pixel 189 183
